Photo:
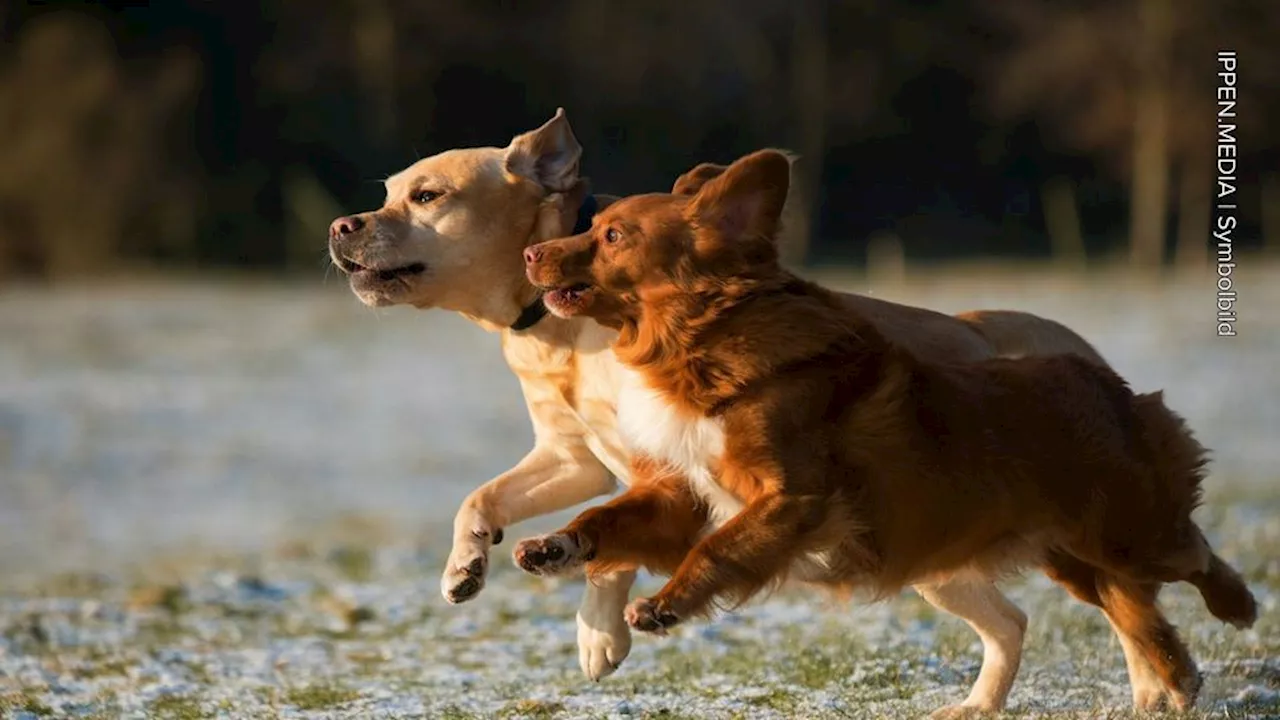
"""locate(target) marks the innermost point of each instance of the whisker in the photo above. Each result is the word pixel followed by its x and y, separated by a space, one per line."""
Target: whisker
pixel 326 261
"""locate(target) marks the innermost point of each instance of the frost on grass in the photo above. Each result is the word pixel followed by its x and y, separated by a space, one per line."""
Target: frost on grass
pixel 282 647
pixel 235 503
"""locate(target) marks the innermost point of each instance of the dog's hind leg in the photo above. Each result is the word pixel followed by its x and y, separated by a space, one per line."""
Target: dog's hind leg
pixel 1194 561
pixel 1131 608
pixel 1000 625
pixel 1223 590
pixel 1080 579
pixel 1191 560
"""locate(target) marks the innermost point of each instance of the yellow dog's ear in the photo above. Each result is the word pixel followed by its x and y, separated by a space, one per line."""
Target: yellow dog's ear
pixel 548 156
pixel 746 199
pixel 691 182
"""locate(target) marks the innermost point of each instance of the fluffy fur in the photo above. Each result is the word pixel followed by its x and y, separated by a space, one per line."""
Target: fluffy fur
pixel 820 450
pixel 449 235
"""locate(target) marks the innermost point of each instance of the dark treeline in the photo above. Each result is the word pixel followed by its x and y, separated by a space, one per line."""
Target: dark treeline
pixel 200 133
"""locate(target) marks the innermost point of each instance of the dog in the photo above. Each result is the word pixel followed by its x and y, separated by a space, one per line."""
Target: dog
pixel 450 235
pixel 779 434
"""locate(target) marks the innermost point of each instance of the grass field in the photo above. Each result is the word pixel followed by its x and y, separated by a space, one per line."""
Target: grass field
pixel 233 500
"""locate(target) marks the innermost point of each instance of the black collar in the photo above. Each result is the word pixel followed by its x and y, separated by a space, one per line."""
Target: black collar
pixel 530 315
pixel 536 310
pixel 585 213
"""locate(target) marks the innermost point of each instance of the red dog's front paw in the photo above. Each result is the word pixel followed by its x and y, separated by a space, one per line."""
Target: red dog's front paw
pixel 550 554
pixel 650 616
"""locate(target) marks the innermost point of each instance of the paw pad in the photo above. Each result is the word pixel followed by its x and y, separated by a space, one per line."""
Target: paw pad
pixel 649 616
pixel 547 554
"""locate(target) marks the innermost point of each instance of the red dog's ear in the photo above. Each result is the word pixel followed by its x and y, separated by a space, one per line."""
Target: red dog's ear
pixel 691 182
pixel 548 156
pixel 746 199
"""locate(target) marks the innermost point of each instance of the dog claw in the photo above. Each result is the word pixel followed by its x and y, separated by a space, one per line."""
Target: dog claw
pixel 463 579
pixel 601 650
pixel 648 616
pixel 548 554
pixel 464 590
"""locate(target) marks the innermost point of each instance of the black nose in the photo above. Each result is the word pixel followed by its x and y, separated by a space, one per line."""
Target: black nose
pixel 345 226
pixel 532 255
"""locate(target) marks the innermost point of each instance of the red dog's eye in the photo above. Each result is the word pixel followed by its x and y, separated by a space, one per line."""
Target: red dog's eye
pixel 611 235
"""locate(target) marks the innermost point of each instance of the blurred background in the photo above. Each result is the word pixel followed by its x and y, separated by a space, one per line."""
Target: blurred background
pixel 210 134
pixel 176 368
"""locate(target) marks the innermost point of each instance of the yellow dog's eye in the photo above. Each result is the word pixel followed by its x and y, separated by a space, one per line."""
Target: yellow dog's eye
pixel 611 235
pixel 422 197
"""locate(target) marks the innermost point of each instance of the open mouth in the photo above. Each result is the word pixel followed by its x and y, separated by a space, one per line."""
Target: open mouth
pixel 385 274
pixel 568 300
pixel 569 294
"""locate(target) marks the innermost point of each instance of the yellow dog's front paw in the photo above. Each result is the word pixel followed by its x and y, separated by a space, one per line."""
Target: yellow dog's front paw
pixel 467 566
pixel 464 576
pixel 602 645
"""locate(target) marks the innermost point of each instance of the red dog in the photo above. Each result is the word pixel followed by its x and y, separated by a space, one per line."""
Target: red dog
pixel 817 450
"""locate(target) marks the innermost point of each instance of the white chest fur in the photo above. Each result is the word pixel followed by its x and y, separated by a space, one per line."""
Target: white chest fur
pixel 648 424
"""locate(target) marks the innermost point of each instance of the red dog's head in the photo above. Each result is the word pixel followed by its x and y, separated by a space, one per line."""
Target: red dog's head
pixel 648 247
